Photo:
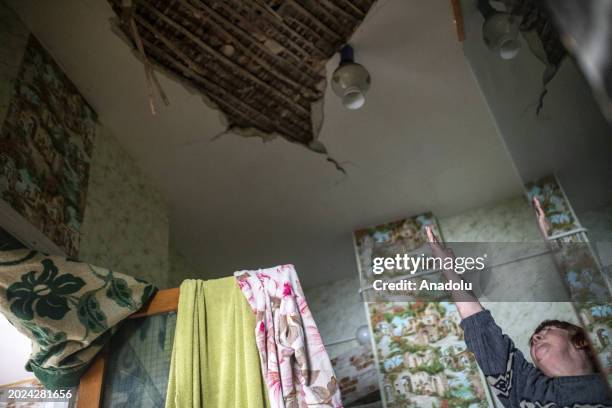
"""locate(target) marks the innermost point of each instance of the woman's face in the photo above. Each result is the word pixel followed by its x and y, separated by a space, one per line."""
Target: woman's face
pixel 550 348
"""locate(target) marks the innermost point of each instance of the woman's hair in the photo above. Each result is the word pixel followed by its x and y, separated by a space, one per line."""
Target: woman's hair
pixel 577 336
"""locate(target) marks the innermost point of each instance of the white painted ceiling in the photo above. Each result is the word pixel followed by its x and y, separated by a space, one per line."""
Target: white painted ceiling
pixel 423 141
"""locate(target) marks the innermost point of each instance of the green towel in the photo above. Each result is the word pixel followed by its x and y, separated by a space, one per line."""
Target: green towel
pixel 215 362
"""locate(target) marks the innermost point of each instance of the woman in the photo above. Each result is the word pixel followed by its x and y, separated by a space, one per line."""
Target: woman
pixel 563 373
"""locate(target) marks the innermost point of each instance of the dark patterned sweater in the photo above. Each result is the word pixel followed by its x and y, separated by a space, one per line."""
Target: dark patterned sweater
pixel 518 383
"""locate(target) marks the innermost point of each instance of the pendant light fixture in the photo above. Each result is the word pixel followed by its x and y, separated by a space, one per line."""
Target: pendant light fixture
pixel 350 81
pixel 500 31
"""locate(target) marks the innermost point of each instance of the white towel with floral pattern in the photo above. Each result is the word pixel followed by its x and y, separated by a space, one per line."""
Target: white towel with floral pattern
pixel 294 361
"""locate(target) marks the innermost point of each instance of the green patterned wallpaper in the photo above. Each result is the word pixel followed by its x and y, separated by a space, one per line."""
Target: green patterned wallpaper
pixel 126 219
pixel 125 225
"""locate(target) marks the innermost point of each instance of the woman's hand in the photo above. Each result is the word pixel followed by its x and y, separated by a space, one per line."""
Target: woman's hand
pixel 437 249
pixel 543 223
pixel 466 302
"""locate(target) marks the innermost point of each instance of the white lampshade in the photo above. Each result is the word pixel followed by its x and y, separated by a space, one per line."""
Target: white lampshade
pixel 362 335
pixel 353 98
pixel 350 81
pixel 500 32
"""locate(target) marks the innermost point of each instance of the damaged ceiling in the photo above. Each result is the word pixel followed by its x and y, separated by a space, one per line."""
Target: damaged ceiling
pixel 261 62
pixel 424 141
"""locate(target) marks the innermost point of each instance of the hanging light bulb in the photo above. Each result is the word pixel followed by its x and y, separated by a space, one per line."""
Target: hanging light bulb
pixel 500 31
pixel 350 81
pixel 362 335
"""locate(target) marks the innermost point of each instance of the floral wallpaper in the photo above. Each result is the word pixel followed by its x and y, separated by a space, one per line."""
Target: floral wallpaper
pixel 46 144
pixel 357 376
pixel 126 221
pixel 402 236
pixel 556 206
pixel 422 358
pixel 578 266
pixel 339 310
pixel 123 218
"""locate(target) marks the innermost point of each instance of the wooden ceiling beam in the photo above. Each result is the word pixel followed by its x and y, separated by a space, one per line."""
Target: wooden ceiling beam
pixel 236 8
pixel 245 35
pixel 281 26
pixel 334 6
pixel 228 62
pixel 244 49
pixel 353 7
pixel 329 47
pixel 307 5
pixel 189 65
pixel 314 19
pixel 224 99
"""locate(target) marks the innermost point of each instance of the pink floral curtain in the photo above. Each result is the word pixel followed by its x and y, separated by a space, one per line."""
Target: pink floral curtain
pixel 294 361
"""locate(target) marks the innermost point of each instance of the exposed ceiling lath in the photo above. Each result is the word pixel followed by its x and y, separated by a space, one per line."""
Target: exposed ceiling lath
pixel 262 62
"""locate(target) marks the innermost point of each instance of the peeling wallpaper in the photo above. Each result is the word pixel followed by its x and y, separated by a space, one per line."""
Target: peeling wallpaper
pixel 126 219
pixel 125 225
pixel 47 140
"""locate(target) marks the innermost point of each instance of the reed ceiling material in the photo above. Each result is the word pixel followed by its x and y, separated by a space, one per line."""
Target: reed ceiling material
pixel 261 62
